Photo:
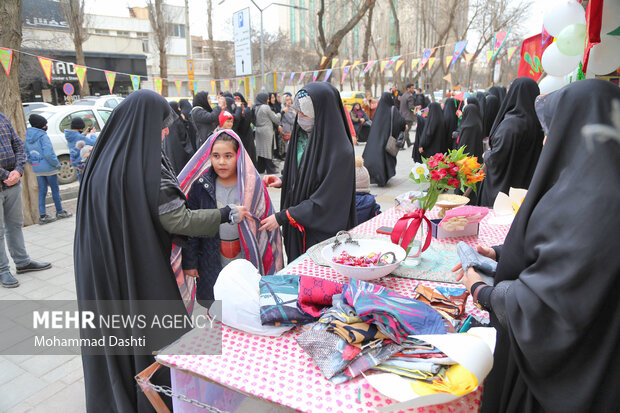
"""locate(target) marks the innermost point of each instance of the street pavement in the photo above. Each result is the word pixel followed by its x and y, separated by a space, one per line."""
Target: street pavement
pixel 56 383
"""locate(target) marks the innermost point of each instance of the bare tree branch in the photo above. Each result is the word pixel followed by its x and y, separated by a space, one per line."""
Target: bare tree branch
pixel 73 11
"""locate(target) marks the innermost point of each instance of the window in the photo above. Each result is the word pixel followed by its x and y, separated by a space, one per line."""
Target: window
pixel 145 45
pixel 122 33
pixel 110 103
pixel 87 116
pixel 101 31
pixel 104 114
pixel 142 34
pixel 177 30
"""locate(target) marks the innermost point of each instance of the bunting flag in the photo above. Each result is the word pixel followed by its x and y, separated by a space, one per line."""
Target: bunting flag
pixel 431 62
pixel 355 63
pixel 414 63
pixel 369 66
pixel 383 65
pixel 253 82
pixel 46 65
pixel 315 75
pixel 227 84
pixel 110 77
pixel 459 48
pixel 391 61
pixel 158 84
pixel 213 84
pixel 135 81
pixel 239 83
pixel 345 72
pixel 334 63
pixel 448 78
pixel 179 84
pixel 290 79
pixel 468 57
pixel 6 57
pixel 498 40
pixel 426 56
pixel 328 73
pixel 282 78
pixel 489 55
pixel 301 77
pixel 594 24
pixel 510 51
pixel 344 63
pixel 80 72
pixel 448 61
pixel 323 59
pixel 195 83
pixel 399 63
pixel 531 55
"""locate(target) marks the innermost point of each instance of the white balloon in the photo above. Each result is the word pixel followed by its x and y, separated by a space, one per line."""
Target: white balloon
pixel 611 16
pixel 605 56
pixel 551 84
pixel 563 15
pixel 558 64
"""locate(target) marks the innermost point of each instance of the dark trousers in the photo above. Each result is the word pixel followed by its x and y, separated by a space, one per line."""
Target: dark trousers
pixel 264 165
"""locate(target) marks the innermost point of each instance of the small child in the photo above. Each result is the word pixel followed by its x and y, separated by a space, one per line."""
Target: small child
pixel 365 203
pixel 231 179
pixel 85 151
pixel 226 121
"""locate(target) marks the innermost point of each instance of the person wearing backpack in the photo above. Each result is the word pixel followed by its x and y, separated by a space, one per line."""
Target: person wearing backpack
pixel 40 154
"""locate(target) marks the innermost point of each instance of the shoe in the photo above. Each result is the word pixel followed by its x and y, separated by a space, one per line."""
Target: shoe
pixel 63 214
pixel 8 281
pixel 34 266
pixel 46 219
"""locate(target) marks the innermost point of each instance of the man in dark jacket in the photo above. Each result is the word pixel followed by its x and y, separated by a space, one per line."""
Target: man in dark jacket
pixel 12 160
pixel 204 117
pixel 407 106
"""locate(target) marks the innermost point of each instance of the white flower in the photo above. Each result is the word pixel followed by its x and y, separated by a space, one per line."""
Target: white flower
pixel 419 171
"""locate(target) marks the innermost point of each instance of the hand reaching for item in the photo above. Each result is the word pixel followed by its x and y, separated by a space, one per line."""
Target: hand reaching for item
pixel 272 181
pixel 269 224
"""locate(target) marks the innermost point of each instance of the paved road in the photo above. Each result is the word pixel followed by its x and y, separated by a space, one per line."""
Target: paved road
pixel 55 383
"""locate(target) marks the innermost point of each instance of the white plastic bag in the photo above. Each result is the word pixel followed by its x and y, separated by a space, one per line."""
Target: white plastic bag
pixel 237 288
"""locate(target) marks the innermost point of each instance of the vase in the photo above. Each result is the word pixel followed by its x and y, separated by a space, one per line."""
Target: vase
pixel 414 250
pixel 419 241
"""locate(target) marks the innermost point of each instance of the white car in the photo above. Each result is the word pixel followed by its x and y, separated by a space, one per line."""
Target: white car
pixel 30 106
pixel 107 101
pixel 58 119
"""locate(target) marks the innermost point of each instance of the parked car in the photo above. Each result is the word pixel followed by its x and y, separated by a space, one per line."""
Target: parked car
pixel 107 101
pixel 351 98
pixel 30 106
pixel 58 119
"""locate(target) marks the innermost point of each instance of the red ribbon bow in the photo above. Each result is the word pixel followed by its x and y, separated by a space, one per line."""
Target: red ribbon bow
pixel 407 232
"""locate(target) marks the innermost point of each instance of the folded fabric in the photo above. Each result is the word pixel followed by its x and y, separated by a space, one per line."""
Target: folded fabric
pixel 329 352
pixel 316 293
pixel 278 301
pixel 453 305
pixel 395 315
pixel 426 366
pixel 411 374
pixel 357 334
pixel 471 258
pixel 365 361
pixel 339 311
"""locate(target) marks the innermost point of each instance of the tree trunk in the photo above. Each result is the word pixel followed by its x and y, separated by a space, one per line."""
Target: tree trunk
pixel 396 77
pixel 73 11
pixel 11 102
pixel 160 29
pixel 367 36
pixel 80 60
pixel 214 65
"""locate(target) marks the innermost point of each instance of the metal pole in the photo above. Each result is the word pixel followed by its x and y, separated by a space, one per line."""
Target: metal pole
pixel 262 52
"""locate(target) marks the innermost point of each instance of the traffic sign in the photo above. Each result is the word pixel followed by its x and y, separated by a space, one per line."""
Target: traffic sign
pixel 243 45
pixel 68 89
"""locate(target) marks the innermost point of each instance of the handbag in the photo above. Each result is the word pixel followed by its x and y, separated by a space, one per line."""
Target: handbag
pixel 391 146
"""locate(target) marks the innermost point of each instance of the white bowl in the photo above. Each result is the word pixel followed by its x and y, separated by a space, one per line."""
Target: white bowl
pixel 365 247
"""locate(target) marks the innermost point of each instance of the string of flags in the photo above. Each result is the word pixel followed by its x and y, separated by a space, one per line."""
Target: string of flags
pixel 347 66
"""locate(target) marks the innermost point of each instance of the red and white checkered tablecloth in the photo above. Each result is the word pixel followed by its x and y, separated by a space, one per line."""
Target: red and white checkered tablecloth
pixel 279 371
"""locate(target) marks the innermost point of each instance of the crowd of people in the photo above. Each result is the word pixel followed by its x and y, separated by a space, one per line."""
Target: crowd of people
pixel 200 187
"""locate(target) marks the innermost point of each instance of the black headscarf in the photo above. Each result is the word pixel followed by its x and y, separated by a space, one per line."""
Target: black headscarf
pixel 451 121
pixel 470 131
pixel 245 130
pixel 495 91
pixel 174 105
pixel 275 107
pixel 177 145
pixel 502 93
pixel 185 106
pixel 556 289
pixel 227 95
pixel 433 138
pixel 490 113
pixel 261 99
pixel 121 251
pixel 474 101
pixel 380 164
pixel 515 141
pixel 415 154
pixel 240 96
pixel 319 192
pixel 481 96
pixel 202 99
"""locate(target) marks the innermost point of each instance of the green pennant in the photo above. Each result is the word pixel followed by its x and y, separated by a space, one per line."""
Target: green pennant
pixel 615 32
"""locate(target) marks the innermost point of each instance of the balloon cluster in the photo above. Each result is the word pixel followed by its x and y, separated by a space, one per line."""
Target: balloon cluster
pixel 567 23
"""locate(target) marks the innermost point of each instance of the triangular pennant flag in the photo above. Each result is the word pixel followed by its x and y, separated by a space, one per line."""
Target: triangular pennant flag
pixel 355 63
pixel 427 55
pixel 431 62
pixel 46 65
pixel 448 61
pixel 510 51
pixel 345 62
pixel 468 57
pixel 334 63
pixel 290 79
pixel 110 77
pixel 226 84
pixel 328 73
pixel 498 40
pixel 414 64
pixel 135 81
pixel 6 57
pixel 615 32
pixel 253 82
pixel 158 84
pixel 345 72
pixel 459 48
pixel 301 77
pixel 369 66
pixel 399 63
pixel 239 82
pixel 448 78
pixel 282 78
pixel 179 85
pixel 391 61
pixel 489 55
pixel 213 84
pixel 315 75
pixel 383 65
pixel 323 59
pixel 80 72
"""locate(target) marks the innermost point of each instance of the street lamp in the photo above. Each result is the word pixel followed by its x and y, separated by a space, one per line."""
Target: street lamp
pixel 262 33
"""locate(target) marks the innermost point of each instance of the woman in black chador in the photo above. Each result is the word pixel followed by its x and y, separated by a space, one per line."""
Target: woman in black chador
pixel 555 301
pixel 380 164
pixel 451 120
pixel 490 113
pixel 470 133
pixel 515 140
pixel 129 205
pixel 433 138
pixel 318 179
